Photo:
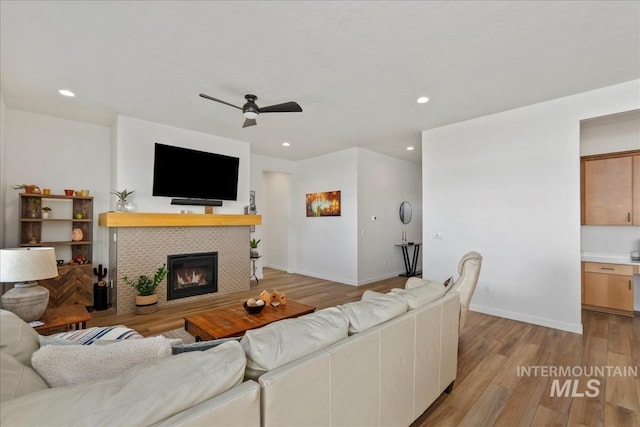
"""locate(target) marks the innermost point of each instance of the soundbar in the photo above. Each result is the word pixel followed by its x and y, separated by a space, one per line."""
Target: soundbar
pixel 196 202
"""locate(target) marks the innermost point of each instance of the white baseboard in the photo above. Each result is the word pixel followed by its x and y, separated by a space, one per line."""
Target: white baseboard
pixel 325 277
pixel 378 278
pixel 569 327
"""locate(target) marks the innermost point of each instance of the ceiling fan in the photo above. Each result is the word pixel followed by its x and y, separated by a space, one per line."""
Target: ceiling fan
pixel 251 110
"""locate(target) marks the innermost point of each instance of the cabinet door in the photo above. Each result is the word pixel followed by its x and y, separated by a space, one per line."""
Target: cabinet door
pixel 608 290
pixel 74 285
pixel 608 191
pixel 636 190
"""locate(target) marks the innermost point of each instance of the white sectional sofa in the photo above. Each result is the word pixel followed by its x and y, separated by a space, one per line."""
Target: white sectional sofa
pixel 380 361
pixel 384 375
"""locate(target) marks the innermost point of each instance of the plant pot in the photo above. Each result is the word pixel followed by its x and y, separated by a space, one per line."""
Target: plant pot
pixel 254 253
pixel 45 215
pixel 146 304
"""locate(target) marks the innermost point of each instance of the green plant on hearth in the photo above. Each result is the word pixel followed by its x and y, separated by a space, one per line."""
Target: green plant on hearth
pixel 254 243
pixel 146 285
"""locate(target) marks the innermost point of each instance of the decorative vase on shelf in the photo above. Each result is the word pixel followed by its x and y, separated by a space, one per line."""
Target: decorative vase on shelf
pixel 121 206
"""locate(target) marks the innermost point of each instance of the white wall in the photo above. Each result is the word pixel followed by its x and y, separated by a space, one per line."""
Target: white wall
pixel 383 184
pixel 3 170
pixel 327 246
pixel 508 186
pixel 134 163
pixel 610 134
pixel 277 188
pixel 261 166
pixel 55 153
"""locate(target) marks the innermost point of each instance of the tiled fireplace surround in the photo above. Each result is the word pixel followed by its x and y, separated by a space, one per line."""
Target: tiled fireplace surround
pixel 142 250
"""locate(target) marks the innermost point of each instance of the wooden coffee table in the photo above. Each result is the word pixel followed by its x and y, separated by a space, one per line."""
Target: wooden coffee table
pixel 75 315
pixel 234 321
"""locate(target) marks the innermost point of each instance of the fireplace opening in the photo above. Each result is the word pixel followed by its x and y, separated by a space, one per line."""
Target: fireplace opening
pixel 192 274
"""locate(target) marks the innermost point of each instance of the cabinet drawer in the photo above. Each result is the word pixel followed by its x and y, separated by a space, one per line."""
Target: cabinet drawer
pixel 597 267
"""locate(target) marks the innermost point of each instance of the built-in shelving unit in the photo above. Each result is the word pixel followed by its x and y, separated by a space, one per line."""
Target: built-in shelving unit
pixel 74 284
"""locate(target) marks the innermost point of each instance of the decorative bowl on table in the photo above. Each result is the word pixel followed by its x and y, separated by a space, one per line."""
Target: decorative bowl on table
pixel 252 309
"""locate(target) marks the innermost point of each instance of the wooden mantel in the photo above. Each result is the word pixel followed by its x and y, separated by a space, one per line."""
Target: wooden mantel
pixel 141 219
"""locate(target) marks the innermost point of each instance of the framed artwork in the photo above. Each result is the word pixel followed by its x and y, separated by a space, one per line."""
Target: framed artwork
pixel 323 204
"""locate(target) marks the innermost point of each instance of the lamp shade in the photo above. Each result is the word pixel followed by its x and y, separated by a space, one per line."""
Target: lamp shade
pixel 27 264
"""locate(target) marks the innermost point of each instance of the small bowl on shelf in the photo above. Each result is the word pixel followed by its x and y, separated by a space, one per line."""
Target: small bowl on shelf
pixel 252 309
pixel 68 192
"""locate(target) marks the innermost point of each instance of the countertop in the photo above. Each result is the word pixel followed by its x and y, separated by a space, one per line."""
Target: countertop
pixel 608 258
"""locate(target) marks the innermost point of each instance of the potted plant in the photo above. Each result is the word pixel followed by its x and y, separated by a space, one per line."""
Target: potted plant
pixel 46 212
pixel 254 247
pixel 28 188
pixel 122 205
pixel 147 298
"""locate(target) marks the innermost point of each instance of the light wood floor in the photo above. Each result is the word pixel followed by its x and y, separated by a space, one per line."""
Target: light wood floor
pixel 488 390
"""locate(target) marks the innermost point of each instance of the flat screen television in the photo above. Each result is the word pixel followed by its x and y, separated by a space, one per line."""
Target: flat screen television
pixel 196 176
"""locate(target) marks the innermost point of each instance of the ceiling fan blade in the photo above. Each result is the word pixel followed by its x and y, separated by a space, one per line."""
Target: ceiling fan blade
pixel 249 122
pixel 287 107
pixel 219 100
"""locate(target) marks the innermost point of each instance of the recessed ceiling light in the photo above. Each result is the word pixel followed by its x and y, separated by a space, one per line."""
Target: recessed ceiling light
pixel 285 144
pixel 66 92
pixel 422 100
pixel 409 148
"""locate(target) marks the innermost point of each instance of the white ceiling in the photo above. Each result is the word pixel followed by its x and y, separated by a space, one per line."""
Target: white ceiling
pixel 356 68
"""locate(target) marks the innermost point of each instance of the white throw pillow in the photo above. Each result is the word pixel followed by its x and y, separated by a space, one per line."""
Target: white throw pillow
pixel 281 342
pixel 422 295
pixel 74 364
pixel 372 311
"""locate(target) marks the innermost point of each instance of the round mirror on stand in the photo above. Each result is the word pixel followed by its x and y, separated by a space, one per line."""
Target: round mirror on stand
pixel 405 212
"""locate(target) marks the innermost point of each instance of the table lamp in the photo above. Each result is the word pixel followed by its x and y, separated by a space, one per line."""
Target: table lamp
pixel 24 266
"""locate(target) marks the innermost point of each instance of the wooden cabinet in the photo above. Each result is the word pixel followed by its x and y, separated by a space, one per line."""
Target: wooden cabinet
pixel 608 286
pixel 636 189
pixel 74 283
pixel 610 187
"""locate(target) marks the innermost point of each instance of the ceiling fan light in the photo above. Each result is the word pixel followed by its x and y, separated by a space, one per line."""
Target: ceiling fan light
pixel 251 115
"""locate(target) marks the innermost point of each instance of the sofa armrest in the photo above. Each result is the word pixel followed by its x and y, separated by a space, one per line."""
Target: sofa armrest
pixel 239 406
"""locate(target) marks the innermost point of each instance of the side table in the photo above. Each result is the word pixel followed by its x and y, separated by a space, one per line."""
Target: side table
pixel 253 267
pixel 75 315
pixel 410 263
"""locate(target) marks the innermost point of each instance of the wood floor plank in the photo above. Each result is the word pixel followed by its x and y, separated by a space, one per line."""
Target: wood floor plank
pixel 545 417
pixel 466 393
pixel 523 356
pixel 621 389
pixel 523 403
pixel 487 407
pixel 620 417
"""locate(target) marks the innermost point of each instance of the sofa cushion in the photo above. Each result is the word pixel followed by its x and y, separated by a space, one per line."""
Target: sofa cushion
pixel 17 379
pixel 421 295
pixel 17 338
pixel 372 311
pixel 63 365
pixel 281 342
pixel 144 395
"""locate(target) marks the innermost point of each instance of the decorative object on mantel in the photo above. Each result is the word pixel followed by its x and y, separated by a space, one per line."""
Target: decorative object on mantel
pixel 24 266
pixel 28 188
pixel 46 212
pixel 122 205
pixel 147 298
pixel 254 247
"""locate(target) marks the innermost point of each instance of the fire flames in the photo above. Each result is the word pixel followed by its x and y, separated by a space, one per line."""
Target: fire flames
pixel 191 278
